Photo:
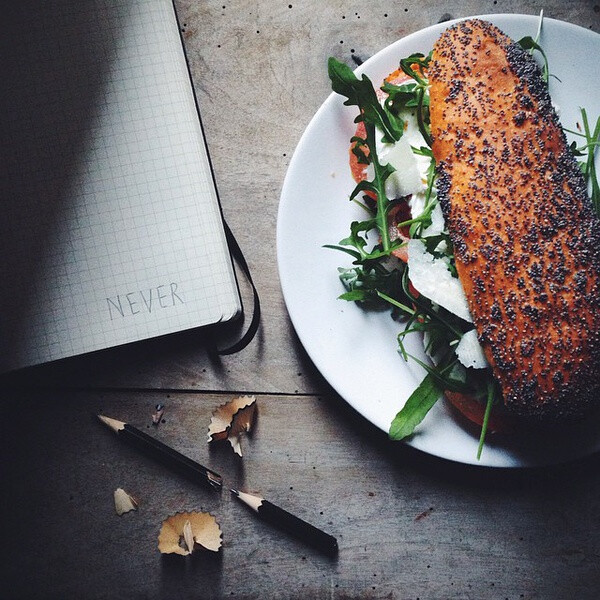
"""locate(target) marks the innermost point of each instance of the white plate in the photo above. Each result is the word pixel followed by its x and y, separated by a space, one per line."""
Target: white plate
pixel 355 350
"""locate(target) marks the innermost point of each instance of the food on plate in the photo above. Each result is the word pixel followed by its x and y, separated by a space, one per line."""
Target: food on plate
pixel 525 236
pixel 486 239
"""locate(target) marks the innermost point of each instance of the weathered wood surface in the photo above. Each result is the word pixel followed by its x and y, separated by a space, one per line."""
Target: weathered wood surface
pixel 408 526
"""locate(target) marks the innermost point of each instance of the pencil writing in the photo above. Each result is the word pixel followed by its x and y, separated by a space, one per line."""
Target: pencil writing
pixel 146 301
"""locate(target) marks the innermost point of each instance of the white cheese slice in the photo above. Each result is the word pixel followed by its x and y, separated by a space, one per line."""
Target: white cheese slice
pixel 431 277
pixel 417 204
pixel 406 179
pixel 438 224
pixel 415 139
pixel 469 351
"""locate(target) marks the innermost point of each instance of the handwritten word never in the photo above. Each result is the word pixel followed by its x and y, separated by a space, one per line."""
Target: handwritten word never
pixel 143 301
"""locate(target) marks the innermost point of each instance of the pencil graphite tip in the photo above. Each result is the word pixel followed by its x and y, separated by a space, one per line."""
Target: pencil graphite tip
pixel 236 492
pixel 112 423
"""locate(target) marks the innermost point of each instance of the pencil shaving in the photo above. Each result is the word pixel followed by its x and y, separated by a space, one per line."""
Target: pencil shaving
pixel 188 536
pixel 232 419
pixel 158 414
pixel 183 533
pixel 124 502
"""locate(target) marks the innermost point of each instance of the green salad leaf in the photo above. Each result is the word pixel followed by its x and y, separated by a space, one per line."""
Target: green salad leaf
pixel 528 43
pixel 416 408
pixel 360 92
pixel 588 150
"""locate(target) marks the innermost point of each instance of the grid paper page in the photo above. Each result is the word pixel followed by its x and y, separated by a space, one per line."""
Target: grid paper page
pixel 111 230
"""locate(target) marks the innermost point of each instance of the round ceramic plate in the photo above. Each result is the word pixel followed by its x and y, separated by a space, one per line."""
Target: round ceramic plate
pixel 355 350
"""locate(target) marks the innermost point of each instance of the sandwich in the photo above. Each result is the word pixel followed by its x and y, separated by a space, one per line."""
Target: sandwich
pixel 496 247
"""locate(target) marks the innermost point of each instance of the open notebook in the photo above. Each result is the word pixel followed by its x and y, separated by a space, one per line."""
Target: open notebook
pixel 111 230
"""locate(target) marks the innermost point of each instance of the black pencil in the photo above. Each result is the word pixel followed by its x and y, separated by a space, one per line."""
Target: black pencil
pixel 163 453
pixel 284 520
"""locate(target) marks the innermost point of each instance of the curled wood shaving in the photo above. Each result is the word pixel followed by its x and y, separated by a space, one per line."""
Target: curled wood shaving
pixel 188 535
pixel 230 420
pixel 182 533
pixel 158 413
pixel 124 502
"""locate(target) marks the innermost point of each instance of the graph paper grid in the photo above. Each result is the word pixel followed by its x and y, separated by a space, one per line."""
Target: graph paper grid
pixel 111 218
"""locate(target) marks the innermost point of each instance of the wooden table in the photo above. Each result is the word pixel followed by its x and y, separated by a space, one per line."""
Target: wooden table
pixel 409 526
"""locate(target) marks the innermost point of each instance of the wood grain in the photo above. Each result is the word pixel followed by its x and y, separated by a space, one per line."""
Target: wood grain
pixel 408 526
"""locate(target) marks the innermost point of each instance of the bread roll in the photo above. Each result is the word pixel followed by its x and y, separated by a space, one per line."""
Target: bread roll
pixel 525 235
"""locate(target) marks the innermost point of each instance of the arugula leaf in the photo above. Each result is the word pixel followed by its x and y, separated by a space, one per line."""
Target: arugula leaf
pixel 358 149
pixel 491 398
pixel 421 62
pixel 531 44
pixel 400 96
pixel 416 408
pixel 394 302
pixel 370 284
pixel 415 66
pixel 528 43
pixel 588 150
pixel 360 92
pixel 589 167
pixel 356 245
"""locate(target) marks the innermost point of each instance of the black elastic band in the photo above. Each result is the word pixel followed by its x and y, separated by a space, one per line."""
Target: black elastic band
pixel 238 256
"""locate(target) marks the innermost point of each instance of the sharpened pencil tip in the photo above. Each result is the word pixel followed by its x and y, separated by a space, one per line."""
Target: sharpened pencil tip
pixel 112 423
pixel 234 492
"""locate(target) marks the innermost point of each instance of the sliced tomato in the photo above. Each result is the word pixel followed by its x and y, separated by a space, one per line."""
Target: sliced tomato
pixel 473 410
pixel 398 214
